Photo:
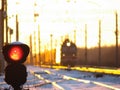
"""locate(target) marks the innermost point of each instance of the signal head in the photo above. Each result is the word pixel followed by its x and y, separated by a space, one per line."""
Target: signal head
pixel 15 52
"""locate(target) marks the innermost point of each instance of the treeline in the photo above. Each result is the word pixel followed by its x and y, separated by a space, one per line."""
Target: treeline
pixel 105 56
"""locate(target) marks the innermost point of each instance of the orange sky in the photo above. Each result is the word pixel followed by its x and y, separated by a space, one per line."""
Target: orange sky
pixel 61 17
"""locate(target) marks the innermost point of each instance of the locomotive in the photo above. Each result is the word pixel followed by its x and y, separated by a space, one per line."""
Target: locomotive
pixel 68 53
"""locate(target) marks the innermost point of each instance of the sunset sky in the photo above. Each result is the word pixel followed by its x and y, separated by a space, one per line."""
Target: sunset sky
pixel 62 17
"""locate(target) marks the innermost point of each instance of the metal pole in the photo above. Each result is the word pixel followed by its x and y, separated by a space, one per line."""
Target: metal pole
pixel 31 53
pixel 1 37
pixel 9 35
pixel 116 33
pixel 17 28
pixel 51 50
pixel 17 88
pixel 6 20
pixel 39 44
pixel 86 44
pixel 35 59
pixel 99 57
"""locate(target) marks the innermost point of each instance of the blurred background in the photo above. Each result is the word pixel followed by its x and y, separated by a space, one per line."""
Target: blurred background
pixel 93 25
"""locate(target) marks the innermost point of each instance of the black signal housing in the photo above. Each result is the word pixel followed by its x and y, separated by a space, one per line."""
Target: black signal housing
pixel 15 55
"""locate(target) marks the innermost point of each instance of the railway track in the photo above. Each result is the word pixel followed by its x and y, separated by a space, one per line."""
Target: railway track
pixel 55 79
pixel 65 82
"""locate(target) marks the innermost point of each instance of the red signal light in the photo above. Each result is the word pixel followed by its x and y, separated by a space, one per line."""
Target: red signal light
pixel 15 53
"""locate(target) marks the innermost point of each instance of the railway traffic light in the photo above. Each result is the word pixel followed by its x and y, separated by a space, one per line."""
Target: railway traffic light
pixel 15 55
pixel 15 52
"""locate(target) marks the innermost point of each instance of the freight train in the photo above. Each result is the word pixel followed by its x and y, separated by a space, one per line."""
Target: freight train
pixel 68 53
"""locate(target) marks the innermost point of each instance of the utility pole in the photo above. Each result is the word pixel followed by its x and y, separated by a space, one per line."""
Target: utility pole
pixel 51 51
pixel 35 59
pixel 1 35
pixel 39 44
pixel 17 28
pixel 99 57
pixel 116 33
pixel 31 53
pixel 86 44
pixel 6 20
pixel 36 14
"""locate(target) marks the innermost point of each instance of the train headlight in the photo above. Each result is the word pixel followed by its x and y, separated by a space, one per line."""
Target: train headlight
pixel 68 44
pixel 73 55
pixel 63 54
